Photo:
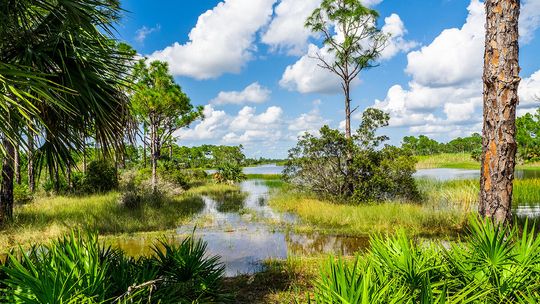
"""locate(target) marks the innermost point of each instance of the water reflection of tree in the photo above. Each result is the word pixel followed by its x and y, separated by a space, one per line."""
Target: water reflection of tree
pixel 313 243
pixel 230 201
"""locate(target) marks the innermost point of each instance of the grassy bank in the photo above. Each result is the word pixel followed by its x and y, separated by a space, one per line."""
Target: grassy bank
pixel 49 217
pixel 443 210
pixel 265 176
pixel 459 161
pixel 447 160
pixel 327 217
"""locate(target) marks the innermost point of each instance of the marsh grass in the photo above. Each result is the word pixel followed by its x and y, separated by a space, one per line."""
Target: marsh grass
pixel 447 160
pixel 463 194
pixel 49 217
pixel 332 218
pixel 282 281
pixel 265 176
pixel 443 209
pixel 460 161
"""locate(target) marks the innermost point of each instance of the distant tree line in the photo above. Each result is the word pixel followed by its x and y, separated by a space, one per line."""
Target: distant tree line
pixel 527 138
pixel 423 145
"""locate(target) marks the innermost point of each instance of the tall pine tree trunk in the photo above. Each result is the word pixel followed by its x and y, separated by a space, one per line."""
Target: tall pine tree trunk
pixel 347 93
pixel 501 81
pixel 6 187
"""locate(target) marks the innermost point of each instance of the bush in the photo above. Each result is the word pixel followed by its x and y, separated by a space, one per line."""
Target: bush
pixel 101 176
pixel 21 194
pixel 78 269
pixel 353 170
pixel 229 173
pixel 494 265
pixel 476 154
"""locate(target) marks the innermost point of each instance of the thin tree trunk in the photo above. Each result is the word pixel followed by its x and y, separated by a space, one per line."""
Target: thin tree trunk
pixel 347 111
pixel 30 161
pixel 17 164
pixel 56 179
pixel 501 81
pixel 170 151
pixel 85 161
pixel 154 156
pixel 144 145
pixel 6 188
pixel 68 176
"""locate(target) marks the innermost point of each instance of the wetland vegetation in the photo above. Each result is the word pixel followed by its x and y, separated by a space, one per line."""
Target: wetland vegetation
pixel 99 203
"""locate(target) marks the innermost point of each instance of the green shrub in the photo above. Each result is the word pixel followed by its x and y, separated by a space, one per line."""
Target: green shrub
pixel 21 194
pixel 229 173
pixel 352 170
pixel 78 269
pixel 101 176
pixel 493 265
pixel 476 154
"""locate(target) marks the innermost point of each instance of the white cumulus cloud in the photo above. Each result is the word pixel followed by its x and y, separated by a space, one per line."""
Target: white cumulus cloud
pixel 221 42
pixel 444 96
pixel 287 32
pixel 455 56
pixel 253 93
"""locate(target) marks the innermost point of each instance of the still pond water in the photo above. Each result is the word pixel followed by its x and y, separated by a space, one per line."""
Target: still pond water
pixel 241 228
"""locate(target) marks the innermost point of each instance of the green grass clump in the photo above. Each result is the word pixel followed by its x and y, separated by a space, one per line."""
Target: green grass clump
pixel 265 176
pixel 493 265
pixel 329 217
pixel 50 217
pixel 78 269
pixel 447 160
pixel 443 209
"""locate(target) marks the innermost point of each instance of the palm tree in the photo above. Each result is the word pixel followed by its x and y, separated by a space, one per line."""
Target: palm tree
pixel 59 72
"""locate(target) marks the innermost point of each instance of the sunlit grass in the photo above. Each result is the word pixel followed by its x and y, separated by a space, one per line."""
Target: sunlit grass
pixel 447 160
pixel 265 176
pixel 328 217
pixel 459 161
pixel 50 217
pixel 443 209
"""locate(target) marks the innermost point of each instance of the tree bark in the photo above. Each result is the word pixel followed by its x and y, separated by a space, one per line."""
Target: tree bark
pixel 501 81
pixel 30 161
pixel 6 188
pixel 347 111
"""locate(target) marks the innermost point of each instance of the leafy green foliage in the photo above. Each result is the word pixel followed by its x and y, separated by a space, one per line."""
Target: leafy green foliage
pixel 423 145
pixel 229 173
pixel 21 194
pixel 494 265
pixel 101 176
pixel 528 136
pixel 321 165
pixel 78 269
pixel 159 103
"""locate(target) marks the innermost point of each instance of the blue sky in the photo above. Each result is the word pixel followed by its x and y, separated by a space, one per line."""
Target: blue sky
pixel 249 63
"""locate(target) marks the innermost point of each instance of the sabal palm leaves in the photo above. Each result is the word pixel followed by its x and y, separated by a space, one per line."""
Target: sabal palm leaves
pixel 61 72
pixel 493 265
